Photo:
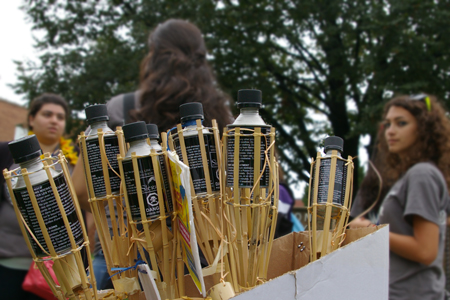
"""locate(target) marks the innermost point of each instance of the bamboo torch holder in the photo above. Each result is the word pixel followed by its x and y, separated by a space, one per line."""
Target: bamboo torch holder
pixel 148 198
pixel 52 224
pixel 99 152
pixel 198 149
pixel 251 197
pixel 331 187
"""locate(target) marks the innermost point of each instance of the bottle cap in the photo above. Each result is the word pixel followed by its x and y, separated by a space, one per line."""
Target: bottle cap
pixel 25 148
pixel 191 111
pixel 333 143
pixel 249 98
pixel 96 113
pixel 135 131
pixel 152 130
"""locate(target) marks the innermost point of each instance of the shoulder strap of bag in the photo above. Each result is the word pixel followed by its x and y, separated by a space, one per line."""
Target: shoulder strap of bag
pixel 6 161
pixel 128 105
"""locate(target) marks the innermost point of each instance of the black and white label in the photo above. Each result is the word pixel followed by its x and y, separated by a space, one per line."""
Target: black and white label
pixel 149 188
pixel 166 186
pixel 247 158
pixel 340 181
pixel 96 168
pixel 51 215
pixel 194 155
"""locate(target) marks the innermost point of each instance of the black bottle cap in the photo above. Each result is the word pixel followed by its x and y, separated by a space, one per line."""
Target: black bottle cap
pixel 191 111
pixel 135 131
pixel 96 113
pixel 249 98
pixel 153 132
pixel 25 148
pixel 333 143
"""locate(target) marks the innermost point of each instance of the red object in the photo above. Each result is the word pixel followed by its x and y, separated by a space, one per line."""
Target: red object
pixel 35 283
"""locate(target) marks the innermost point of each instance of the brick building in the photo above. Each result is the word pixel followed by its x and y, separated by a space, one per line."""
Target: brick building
pixel 11 116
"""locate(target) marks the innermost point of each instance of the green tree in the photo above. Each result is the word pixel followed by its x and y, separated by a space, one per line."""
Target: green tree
pixel 324 66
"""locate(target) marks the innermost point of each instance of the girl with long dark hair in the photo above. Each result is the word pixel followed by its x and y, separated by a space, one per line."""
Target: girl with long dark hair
pixel 414 163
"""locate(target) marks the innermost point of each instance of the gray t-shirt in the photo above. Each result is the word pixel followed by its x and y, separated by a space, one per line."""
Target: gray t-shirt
pixel 422 191
pixel 357 208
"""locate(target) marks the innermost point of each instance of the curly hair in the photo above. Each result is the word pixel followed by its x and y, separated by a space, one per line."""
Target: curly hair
pixel 174 72
pixel 432 145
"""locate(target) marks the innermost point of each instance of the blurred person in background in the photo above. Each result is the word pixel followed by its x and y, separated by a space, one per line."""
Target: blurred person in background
pixel 287 222
pixel 413 160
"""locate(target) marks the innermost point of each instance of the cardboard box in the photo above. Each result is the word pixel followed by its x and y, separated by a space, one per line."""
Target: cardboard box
pixel 358 270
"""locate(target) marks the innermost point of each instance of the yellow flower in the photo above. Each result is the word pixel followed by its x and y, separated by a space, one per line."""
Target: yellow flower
pixel 67 148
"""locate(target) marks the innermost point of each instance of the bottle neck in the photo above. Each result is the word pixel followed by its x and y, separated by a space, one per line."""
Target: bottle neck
pixel 330 152
pixel 32 165
pixel 140 147
pixel 190 124
pixel 249 111
pixel 155 145
pixel 99 125
pixel 138 143
pixel 249 116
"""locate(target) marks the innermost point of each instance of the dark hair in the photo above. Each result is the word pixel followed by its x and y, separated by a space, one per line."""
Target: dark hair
pixel 37 103
pixel 433 145
pixel 174 72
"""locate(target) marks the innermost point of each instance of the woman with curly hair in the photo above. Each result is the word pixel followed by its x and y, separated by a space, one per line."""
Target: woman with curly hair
pixel 174 72
pixel 413 155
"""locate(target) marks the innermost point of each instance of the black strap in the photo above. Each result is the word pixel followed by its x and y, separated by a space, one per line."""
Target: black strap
pixel 6 161
pixel 128 105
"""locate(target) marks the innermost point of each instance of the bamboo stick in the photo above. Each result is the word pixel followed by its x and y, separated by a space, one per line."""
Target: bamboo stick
pixel 99 218
pixel 66 171
pixel 134 231
pixel 314 217
pixel 340 229
pixel 144 221
pixel 237 214
pixel 157 173
pixel 326 226
pixel 39 264
pixel 200 227
pixel 66 284
pixel 73 261
pixel 211 200
pixel 256 218
pixel 109 197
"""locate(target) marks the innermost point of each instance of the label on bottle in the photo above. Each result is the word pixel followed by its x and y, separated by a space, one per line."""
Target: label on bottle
pixel 194 154
pixel 51 215
pixel 166 186
pixel 247 158
pixel 96 168
pixel 149 188
pixel 340 181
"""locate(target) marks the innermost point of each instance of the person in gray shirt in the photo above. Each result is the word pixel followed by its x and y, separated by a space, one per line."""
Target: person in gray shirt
pixel 413 147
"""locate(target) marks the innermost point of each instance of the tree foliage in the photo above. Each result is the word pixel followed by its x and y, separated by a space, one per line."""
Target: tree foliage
pixel 324 66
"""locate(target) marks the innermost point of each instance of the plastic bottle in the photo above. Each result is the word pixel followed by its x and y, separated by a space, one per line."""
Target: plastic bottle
pixel 249 103
pixel 153 136
pixel 331 143
pixel 136 135
pixel 190 113
pixel 97 117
